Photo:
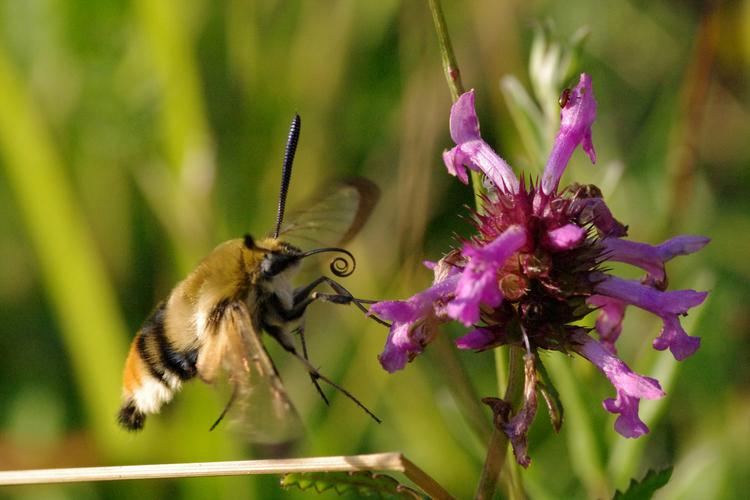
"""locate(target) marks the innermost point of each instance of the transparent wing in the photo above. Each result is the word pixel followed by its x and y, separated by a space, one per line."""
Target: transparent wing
pixel 333 218
pixel 259 410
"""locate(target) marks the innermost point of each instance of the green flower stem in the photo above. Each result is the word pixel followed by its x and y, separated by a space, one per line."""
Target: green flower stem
pixel 496 450
pixel 450 66
pixel 493 464
pixel 452 77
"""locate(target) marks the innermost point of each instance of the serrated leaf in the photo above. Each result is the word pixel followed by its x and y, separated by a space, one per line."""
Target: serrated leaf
pixel 361 484
pixel 645 488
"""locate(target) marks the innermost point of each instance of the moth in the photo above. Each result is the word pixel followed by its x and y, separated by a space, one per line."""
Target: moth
pixel 211 322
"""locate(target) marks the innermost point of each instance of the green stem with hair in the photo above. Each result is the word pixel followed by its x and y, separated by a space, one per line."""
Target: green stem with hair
pixel 453 78
pixel 450 66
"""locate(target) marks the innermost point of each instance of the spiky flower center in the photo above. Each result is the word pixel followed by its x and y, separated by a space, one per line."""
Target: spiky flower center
pixel 544 287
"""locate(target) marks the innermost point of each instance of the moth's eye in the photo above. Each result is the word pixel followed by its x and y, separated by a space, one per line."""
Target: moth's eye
pixel 274 263
pixel 266 265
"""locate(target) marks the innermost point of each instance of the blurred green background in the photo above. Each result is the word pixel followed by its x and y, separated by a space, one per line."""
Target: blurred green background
pixel 135 136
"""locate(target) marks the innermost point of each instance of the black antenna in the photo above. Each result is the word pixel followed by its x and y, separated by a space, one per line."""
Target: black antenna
pixel 286 170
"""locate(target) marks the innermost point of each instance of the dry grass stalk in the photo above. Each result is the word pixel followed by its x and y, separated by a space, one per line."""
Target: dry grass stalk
pixel 394 462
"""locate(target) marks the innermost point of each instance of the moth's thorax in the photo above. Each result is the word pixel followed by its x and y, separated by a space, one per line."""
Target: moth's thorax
pixel 282 286
pixel 277 245
pixel 273 287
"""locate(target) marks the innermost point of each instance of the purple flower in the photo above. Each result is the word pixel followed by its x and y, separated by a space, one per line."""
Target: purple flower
pixel 652 258
pixel 669 306
pixel 478 283
pixel 535 267
pixel 576 119
pixel 413 323
pixel 609 322
pixel 565 237
pixel 630 387
pixel 471 151
pixel 480 339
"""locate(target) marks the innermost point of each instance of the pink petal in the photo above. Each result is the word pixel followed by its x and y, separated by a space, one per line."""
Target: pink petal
pixel 630 387
pixel 412 323
pixel 565 237
pixel 472 152
pixel 669 306
pixel 576 119
pixel 478 283
pixel 481 338
pixel 674 337
pixel 455 165
pixel 464 124
pixel 609 322
pixel 651 258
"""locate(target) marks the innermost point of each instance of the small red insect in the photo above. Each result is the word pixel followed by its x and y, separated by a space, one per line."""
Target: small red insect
pixel 564 98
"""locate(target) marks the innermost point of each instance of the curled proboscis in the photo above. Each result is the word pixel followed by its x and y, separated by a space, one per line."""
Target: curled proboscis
pixel 341 266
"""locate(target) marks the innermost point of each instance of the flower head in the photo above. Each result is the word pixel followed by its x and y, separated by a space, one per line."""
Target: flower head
pixel 535 267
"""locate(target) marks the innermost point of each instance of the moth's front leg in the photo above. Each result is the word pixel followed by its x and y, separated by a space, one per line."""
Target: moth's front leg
pixel 304 296
pixel 278 319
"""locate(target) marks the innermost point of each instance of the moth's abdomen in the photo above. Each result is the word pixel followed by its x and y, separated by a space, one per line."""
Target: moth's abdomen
pixel 154 371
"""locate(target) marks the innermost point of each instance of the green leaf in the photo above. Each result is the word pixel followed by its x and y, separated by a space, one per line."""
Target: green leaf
pixel 645 489
pixel 528 119
pixel 361 484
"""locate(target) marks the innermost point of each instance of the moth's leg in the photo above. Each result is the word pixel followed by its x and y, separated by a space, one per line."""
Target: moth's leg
pixel 315 373
pixel 303 292
pixel 304 296
pixel 314 377
pixel 229 404
pixel 343 296
pixel 277 331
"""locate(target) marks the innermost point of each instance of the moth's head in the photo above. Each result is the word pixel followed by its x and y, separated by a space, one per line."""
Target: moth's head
pixel 272 256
